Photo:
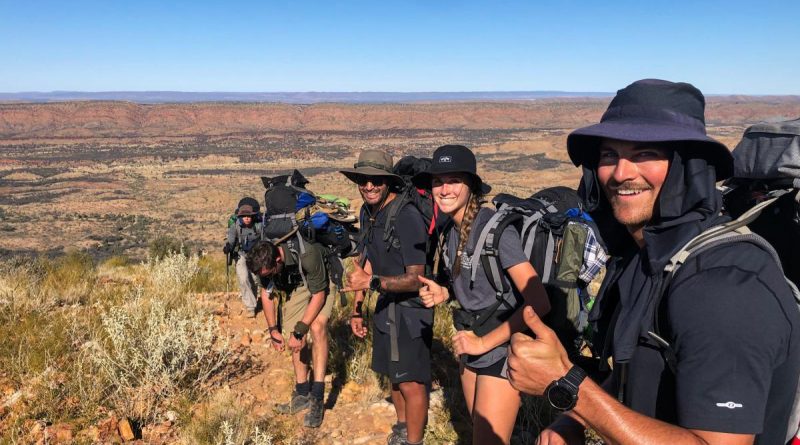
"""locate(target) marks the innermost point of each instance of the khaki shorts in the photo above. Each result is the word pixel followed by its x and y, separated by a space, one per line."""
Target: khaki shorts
pixel 295 306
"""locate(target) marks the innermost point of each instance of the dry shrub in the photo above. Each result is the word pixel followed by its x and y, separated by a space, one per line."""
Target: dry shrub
pixel 169 277
pixel 159 345
pixel 225 420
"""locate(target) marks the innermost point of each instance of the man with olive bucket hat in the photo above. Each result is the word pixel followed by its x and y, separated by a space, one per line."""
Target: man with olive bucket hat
pixel 711 356
pixel 389 265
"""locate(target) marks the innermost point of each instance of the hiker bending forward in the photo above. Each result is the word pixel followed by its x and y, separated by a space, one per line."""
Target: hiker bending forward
pixel 401 340
pixel 303 278
pixel 711 358
pixel 458 191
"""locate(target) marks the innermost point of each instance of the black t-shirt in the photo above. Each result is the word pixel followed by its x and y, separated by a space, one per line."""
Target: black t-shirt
pixel 735 329
pixel 405 248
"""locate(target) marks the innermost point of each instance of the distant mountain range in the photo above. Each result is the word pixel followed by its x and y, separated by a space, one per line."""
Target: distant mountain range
pixel 154 97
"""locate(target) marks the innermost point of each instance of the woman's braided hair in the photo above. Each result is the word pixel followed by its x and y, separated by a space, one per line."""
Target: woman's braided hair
pixel 473 206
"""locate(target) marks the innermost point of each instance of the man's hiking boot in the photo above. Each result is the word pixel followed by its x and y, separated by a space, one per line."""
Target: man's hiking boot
pixel 398 436
pixel 315 413
pixel 297 404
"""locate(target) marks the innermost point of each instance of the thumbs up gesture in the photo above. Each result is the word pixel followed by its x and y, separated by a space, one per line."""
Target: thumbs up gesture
pixel 431 293
pixel 533 363
pixel 358 279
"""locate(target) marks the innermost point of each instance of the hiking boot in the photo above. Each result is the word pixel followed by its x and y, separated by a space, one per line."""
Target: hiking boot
pixel 398 436
pixel 315 413
pixel 297 404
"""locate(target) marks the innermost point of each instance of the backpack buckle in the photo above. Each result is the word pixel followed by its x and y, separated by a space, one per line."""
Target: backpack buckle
pixel 490 251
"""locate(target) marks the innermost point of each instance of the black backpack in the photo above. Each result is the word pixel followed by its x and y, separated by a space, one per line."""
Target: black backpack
pixel 555 232
pixel 767 165
pixel 762 197
pixel 292 217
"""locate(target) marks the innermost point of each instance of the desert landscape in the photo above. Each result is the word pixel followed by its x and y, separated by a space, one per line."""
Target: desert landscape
pixel 105 177
pixel 92 192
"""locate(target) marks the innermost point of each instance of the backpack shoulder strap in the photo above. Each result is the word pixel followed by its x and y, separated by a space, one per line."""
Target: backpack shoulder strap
pixel 392 210
pixel 486 249
pixel 735 231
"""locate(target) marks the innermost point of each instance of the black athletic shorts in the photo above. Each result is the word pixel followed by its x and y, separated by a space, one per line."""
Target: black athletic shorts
pixel 414 337
pixel 493 370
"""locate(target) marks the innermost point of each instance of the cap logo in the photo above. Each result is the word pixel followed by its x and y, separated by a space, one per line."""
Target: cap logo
pixel 445 159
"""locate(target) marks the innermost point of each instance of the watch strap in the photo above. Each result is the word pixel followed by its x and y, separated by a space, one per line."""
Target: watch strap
pixel 572 380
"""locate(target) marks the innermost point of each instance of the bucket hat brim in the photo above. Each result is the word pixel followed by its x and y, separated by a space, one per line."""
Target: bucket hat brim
pixel 423 179
pixel 354 174
pixel 583 142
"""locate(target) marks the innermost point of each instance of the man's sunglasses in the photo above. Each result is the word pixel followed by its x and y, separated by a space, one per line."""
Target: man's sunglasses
pixel 377 181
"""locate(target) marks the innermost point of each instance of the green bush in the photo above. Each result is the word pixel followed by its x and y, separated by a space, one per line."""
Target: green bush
pixel 165 246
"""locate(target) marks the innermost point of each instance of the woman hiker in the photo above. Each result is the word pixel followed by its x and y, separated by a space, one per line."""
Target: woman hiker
pixel 459 192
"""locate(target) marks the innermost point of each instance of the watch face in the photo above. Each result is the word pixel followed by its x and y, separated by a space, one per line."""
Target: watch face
pixel 560 397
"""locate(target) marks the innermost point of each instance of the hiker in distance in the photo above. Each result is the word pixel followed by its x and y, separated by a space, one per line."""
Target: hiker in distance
pixel 710 357
pixel 459 192
pixel 403 329
pixel 303 278
pixel 242 235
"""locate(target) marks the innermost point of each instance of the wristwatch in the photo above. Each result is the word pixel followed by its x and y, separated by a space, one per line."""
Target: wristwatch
pixel 375 283
pixel 563 393
pixel 298 335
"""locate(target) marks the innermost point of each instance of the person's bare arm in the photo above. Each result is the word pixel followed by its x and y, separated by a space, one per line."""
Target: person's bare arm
pixel 527 281
pixel 406 282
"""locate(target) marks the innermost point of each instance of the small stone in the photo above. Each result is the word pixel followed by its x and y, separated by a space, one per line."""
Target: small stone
pixel 246 340
pixel 60 433
pixel 90 435
pixel 36 429
pixel 107 429
pixel 171 416
pixel 125 430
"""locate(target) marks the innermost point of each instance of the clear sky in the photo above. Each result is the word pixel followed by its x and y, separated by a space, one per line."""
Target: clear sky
pixel 731 46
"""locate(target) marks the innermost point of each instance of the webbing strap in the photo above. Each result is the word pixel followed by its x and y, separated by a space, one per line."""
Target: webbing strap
pixel 394 354
pixel 476 254
pixel 548 259
pixel 494 267
pixel 532 237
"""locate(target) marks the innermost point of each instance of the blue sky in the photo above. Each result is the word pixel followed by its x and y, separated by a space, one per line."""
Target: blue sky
pixel 739 47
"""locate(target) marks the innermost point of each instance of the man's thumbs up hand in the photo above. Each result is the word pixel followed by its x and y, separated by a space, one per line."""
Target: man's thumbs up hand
pixel 535 362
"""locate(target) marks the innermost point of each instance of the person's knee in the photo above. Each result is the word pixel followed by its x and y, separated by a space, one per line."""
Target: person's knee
pixel 319 329
pixel 413 389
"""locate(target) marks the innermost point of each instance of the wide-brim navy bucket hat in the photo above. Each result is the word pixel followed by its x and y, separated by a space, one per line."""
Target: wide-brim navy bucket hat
pixel 453 159
pixel 653 110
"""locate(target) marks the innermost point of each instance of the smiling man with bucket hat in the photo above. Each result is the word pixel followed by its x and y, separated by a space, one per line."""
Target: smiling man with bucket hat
pixel 705 341
pixel 389 265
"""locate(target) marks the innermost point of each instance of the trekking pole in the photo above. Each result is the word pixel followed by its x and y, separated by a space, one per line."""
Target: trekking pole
pixel 227 273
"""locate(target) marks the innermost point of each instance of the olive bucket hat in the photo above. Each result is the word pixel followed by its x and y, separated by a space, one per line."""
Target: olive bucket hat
pixel 453 159
pixel 653 110
pixel 372 163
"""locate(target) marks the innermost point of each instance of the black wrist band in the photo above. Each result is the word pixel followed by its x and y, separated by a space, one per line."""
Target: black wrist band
pixel 272 328
pixel 301 329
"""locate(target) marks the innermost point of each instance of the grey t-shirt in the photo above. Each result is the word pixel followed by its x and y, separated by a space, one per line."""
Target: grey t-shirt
pixel 482 295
